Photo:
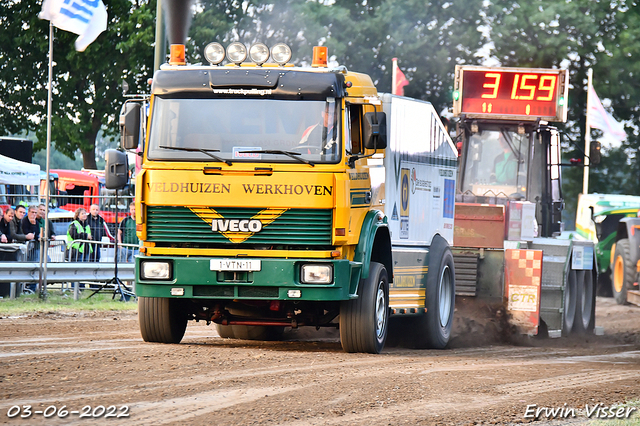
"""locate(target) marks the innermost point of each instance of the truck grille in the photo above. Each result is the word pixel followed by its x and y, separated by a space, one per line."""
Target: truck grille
pixel 294 227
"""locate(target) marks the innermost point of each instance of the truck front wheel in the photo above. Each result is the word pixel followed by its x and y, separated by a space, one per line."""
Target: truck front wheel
pixel 622 272
pixel 364 321
pixel 161 319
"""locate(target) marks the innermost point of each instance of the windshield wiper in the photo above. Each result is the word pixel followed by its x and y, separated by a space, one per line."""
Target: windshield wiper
pixel 289 154
pixel 202 150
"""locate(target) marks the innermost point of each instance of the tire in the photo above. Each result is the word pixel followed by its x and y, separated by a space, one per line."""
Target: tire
pixel 622 271
pixel 225 331
pixel 585 302
pixel 570 302
pixel 248 332
pixel 364 321
pixel 604 284
pixel 433 330
pixel 161 319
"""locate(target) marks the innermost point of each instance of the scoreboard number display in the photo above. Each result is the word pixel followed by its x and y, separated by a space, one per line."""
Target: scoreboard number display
pixel 510 93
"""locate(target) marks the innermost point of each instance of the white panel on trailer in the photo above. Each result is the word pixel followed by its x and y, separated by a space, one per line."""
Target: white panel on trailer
pixel 420 172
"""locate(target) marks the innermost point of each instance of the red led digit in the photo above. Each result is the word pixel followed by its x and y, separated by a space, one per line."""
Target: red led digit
pixel 514 88
pixel 548 84
pixel 529 87
pixel 495 85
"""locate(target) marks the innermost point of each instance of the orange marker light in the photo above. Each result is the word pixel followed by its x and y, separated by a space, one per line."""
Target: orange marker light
pixel 320 54
pixel 177 55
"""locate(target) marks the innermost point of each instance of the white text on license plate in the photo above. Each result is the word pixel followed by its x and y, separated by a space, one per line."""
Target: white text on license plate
pixel 235 265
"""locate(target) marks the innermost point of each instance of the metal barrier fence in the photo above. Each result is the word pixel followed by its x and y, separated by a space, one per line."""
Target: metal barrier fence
pixel 61 217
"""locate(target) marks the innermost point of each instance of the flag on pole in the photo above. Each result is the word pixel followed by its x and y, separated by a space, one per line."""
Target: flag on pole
pixel 399 79
pixel 598 118
pixel 87 18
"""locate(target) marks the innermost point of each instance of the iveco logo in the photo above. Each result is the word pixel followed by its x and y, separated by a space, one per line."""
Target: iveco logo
pixel 236 225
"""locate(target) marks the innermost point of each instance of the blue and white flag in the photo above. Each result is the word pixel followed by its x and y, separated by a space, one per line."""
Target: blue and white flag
pixel 87 18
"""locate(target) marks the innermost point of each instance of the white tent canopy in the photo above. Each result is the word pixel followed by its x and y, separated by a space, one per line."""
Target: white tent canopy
pixel 14 172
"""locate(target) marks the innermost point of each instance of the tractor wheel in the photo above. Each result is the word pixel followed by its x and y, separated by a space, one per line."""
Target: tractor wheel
pixel 585 302
pixel 161 319
pixel 433 330
pixel 364 321
pixel 570 301
pixel 622 272
pixel 604 284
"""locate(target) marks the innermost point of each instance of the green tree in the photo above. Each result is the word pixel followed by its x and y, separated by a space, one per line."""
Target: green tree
pixel 86 85
pixel 575 35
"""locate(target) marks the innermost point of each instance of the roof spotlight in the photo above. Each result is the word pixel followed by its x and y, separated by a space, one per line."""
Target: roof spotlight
pixel 281 53
pixel 237 52
pixel 259 53
pixel 214 53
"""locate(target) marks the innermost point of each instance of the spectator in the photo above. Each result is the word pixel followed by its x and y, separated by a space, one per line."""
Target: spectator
pixel 5 235
pixel 16 226
pixel 40 219
pixel 127 235
pixel 99 229
pixel 79 230
pixel 29 225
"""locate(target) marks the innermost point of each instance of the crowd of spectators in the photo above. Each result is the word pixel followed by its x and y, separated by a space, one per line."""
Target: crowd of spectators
pixel 22 229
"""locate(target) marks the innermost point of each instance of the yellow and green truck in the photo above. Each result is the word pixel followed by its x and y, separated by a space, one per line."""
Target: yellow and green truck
pixel 274 196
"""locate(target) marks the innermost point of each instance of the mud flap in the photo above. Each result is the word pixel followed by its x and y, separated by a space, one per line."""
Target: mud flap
pixel 523 273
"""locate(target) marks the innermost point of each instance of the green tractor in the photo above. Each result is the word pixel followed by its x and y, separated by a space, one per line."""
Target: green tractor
pixel 625 262
pixel 607 219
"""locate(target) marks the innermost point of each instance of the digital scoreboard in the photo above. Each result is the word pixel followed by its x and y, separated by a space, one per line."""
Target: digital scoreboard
pixel 510 93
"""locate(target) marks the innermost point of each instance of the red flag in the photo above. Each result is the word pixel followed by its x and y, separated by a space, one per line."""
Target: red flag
pixel 399 79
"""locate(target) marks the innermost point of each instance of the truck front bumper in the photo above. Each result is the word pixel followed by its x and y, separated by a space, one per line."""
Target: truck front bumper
pixel 277 279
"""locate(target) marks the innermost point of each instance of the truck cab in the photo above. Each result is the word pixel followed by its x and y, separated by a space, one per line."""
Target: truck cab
pixel 274 196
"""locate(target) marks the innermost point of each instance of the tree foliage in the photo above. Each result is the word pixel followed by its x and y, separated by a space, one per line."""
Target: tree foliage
pixel 579 35
pixel 86 85
pixel 428 37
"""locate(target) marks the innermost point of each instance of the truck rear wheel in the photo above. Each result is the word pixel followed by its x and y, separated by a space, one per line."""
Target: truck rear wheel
pixel 161 319
pixel 250 332
pixel 622 272
pixel 433 329
pixel 585 302
pixel 364 321
pixel 570 299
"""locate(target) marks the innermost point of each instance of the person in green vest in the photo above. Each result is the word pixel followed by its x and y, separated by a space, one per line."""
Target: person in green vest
pixel 127 236
pixel 79 230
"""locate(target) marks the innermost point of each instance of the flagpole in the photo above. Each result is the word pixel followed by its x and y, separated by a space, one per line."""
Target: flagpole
pixel 394 76
pixel 43 290
pixel 587 135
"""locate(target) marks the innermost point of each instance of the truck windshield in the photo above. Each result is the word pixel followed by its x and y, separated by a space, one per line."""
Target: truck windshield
pixel 236 129
pixel 497 161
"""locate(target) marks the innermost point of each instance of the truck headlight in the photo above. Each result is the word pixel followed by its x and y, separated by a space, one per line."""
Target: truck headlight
pixel 237 52
pixel 214 53
pixel 153 270
pixel 259 53
pixel 317 273
pixel 281 53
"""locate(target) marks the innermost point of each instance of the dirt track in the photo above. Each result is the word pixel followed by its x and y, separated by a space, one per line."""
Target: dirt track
pixel 99 359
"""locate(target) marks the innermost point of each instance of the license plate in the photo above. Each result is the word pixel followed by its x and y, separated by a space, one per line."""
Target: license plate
pixel 235 265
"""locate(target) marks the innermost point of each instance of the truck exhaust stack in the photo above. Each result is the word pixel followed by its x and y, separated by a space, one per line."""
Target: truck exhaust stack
pixel 178 17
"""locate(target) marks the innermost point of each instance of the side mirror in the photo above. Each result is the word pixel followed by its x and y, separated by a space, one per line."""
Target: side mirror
pixel 594 152
pixel 116 170
pixel 375 130
pixel 130 125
